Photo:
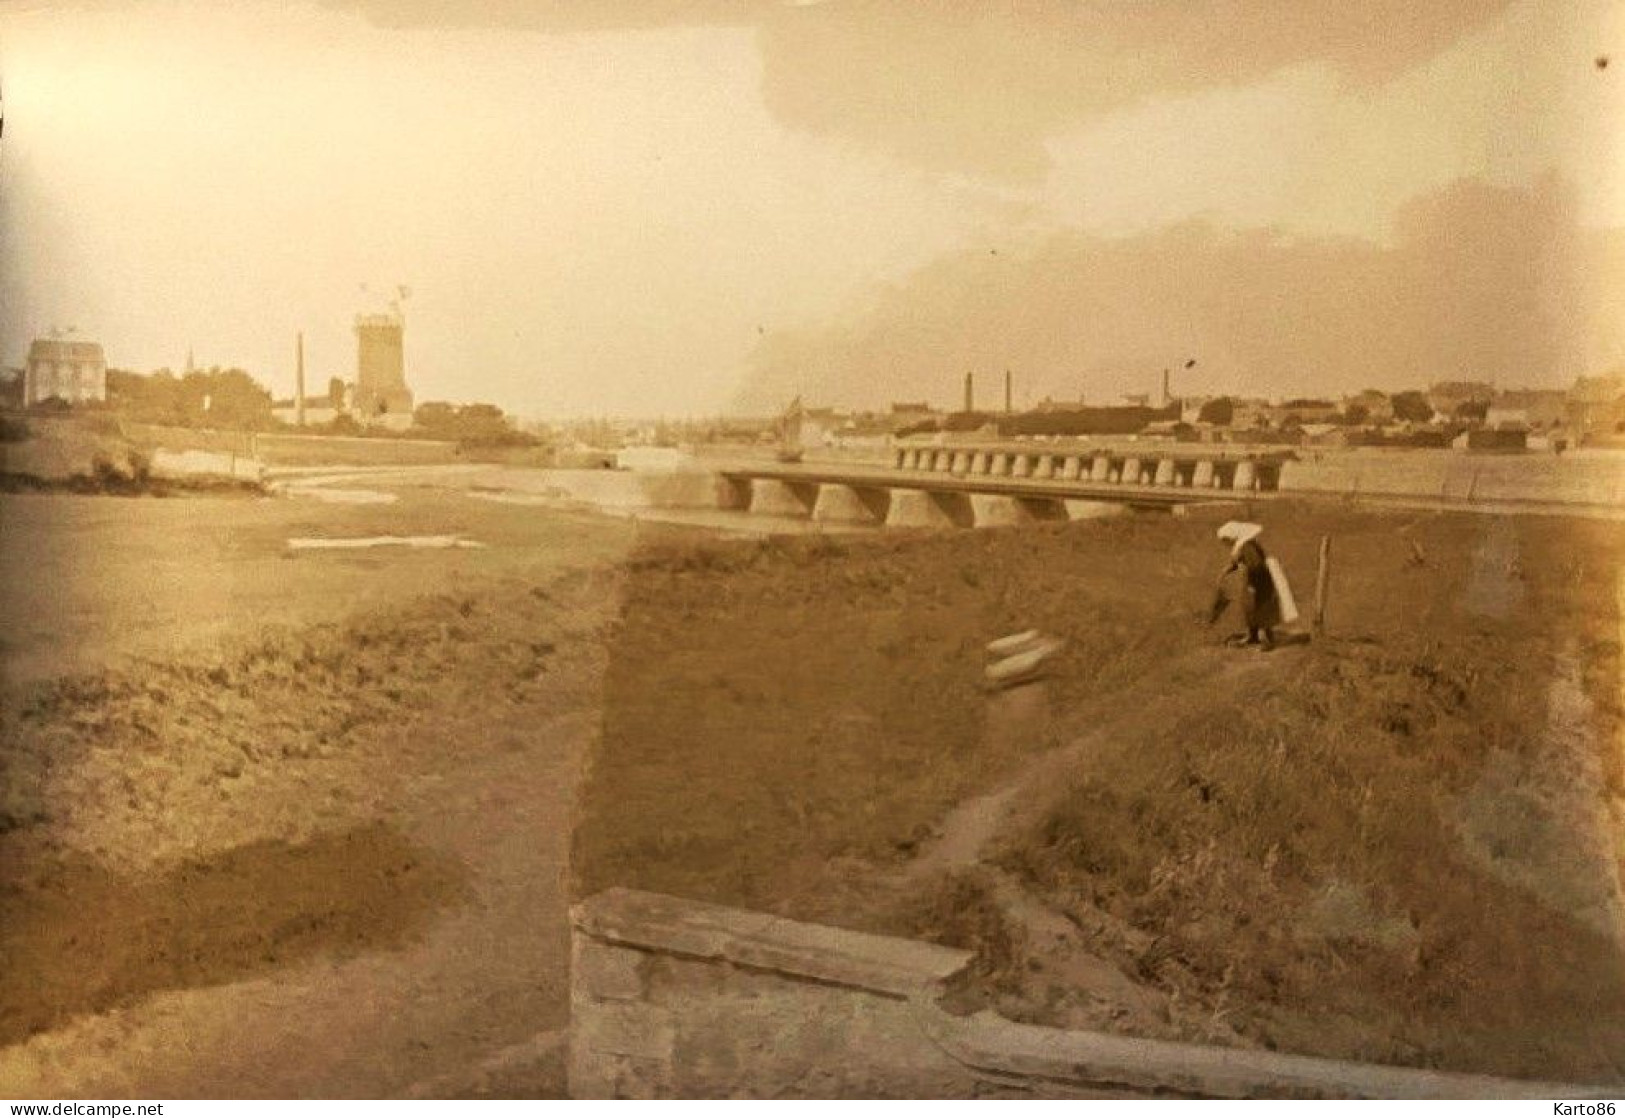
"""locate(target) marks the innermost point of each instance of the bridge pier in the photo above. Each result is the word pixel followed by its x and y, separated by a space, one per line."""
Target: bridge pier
pixel 1202 474
pixel 734 493
pixel 994 510
pixel 1244 477
pixel 1044 466
pixel 923 508
pixel 851 504
pixel 771 497
pixel 1165 473
pixel 1131 471
pixel 1094 510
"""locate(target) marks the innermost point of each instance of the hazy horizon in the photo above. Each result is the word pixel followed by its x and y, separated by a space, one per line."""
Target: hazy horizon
pixel 657 208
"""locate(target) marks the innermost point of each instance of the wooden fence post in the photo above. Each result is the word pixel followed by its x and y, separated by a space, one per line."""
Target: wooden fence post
pixel 1323 577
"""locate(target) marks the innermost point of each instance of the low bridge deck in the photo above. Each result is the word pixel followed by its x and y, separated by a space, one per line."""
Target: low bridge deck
pixel 1031 488
pixel 948 493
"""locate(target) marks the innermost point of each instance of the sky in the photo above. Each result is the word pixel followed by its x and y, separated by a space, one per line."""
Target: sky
pixel 663 208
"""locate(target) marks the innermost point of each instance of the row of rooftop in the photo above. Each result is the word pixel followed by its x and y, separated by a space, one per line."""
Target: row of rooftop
pixel 1592 410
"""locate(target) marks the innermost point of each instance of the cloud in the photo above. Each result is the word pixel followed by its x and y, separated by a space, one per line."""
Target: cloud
pixel 1480 282
pixel 977 88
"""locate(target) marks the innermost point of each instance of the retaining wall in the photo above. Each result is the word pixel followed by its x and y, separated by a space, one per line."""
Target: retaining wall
pixel 673 998
pixel 206 463
pixel 1572 479
pixel 339 450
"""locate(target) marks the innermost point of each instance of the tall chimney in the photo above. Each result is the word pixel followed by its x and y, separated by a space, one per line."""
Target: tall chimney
pixel 1007 408
pixel 1167 393
pixel 970 392
pixel 299 381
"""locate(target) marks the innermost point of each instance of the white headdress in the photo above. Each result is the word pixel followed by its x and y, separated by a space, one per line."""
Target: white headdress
pixel 1238 532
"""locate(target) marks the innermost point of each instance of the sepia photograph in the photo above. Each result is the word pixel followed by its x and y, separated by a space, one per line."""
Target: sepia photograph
pixel 811 549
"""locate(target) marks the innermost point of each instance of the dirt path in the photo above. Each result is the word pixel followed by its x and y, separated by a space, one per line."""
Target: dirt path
pixel 1062 950
pixel 1146 709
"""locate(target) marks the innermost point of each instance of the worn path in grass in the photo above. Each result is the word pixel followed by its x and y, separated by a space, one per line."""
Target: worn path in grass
pixel 1148 708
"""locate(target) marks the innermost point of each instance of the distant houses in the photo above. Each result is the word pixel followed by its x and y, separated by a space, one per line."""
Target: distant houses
pixel 70 371
pixel 1464 413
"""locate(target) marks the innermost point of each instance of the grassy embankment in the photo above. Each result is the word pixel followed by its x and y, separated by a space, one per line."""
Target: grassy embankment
pixel 1395 843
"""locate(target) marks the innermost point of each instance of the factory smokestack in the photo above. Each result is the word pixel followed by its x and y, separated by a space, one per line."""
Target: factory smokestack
pixel 1167 393
pixel 1007 393
pixel 970 392
pixel 299 380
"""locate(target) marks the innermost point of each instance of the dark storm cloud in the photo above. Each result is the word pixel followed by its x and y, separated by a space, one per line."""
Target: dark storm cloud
pixel 1480 282
pixel 977 88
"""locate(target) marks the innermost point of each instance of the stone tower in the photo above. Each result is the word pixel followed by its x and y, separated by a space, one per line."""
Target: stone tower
pixel 381 395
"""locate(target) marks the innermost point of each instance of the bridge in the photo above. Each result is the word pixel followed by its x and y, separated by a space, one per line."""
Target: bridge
pixel 965 485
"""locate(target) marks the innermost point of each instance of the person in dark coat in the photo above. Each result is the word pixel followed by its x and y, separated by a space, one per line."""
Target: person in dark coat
pixel 1260 603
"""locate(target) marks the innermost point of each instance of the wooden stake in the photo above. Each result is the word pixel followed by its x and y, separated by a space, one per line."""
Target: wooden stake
pixel 1323 578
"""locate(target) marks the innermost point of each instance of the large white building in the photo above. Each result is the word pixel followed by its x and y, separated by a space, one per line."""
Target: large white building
pixel 75 372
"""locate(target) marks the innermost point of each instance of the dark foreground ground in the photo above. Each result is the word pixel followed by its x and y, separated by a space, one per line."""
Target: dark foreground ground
pixel 279 823
pixel 295 823
pixel 1402 842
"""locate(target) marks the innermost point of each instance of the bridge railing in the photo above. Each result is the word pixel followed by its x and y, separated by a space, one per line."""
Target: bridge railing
pixel 1154 467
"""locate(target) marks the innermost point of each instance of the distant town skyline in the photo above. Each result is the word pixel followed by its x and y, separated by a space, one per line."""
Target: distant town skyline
pixel 619 211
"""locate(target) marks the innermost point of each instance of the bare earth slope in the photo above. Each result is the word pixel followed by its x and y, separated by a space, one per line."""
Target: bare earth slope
pixel 1401 842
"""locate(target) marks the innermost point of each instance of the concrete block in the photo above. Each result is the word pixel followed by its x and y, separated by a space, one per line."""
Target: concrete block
pixel 1245 476
pixel 882 964
pixel 1131 471
pixel 1021 465
pixel 842 504
pixel 990 510
pixel 639 919
pixel 1072 467
pixel 733 493
pixel 822 1012
pixel 1202 474
pixel 1100 468
pixel 602 1075
pixel 647 1032
pixel 916 508
pixel 1165 474
pixel 771 497
pixel 605 972
pixel 1044 466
